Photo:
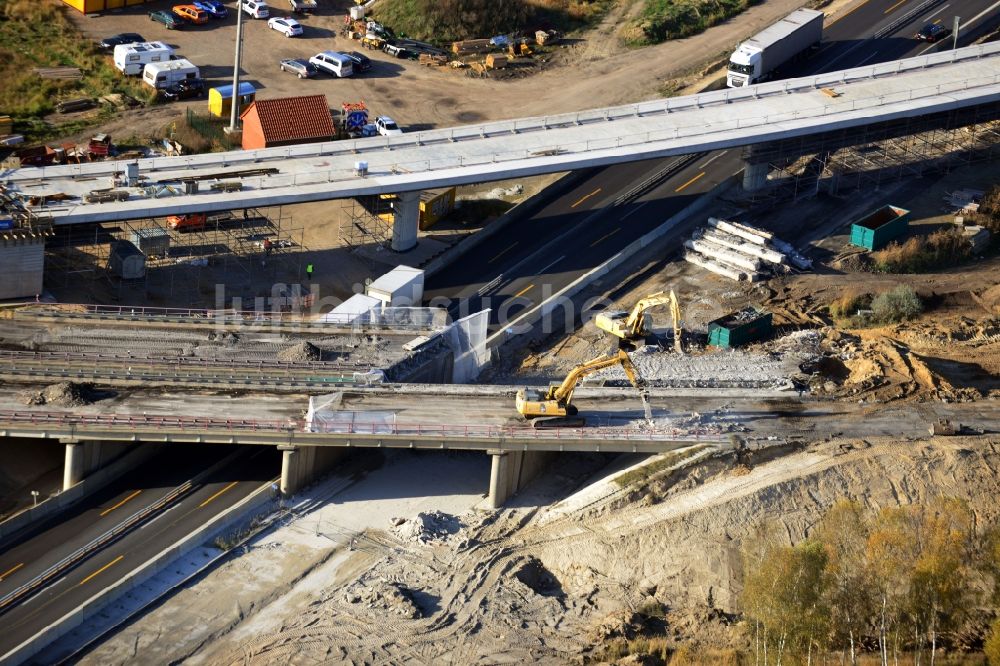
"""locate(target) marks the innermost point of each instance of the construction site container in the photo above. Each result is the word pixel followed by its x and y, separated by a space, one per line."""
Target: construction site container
pixel 153 242
pixel 89 6
pixel 126 261
pixel 875 230
pixel 220 99
pixel 356 307
pixel 740 328
pixel 22 264
pixel 403 286
pixel 435 204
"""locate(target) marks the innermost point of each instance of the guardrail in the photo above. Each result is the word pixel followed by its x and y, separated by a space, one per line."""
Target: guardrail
pixel 372 428
pixel 78 556
pixel 234 364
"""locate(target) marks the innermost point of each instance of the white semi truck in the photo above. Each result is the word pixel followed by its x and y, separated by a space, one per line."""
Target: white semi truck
pixel 757 58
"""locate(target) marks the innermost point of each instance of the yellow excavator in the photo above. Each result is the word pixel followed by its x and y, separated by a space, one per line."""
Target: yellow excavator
pixel 632 327
pixel 552 407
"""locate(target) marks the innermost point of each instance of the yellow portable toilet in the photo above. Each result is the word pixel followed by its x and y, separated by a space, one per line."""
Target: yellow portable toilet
pixel 220 100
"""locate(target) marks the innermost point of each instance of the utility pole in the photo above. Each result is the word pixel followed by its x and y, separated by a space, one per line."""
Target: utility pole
pixel 954 32
pixel 235 113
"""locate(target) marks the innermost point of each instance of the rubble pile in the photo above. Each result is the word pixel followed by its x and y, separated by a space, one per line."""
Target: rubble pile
pixel 427 527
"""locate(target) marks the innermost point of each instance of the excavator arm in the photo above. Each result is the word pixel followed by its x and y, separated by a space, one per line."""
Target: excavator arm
pixel 634 323
pixel 564 392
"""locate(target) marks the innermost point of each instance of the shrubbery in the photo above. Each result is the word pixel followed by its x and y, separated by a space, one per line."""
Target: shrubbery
pixel 889 307
pixel 673 19
pixel 940 249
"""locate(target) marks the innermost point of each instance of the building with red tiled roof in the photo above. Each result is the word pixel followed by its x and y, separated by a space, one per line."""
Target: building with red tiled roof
pixel 286 121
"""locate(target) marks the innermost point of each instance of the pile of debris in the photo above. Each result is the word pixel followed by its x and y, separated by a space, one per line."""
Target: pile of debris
pixel 427 527
pixel 63 394
pixel 741 252
pixel 300 353
pixel 385 596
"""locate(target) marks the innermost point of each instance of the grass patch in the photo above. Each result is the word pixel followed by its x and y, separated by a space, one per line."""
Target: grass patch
pixel 857 310
pixel 37 33
pixel 941 249
pixel 641 475
pixel 675 19
pixel 848 304
pixel 445 21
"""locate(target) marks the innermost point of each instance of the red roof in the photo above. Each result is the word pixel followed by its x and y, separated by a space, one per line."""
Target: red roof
pixel 293 119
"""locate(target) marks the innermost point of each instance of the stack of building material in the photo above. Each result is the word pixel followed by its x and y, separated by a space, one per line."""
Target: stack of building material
pixel 470 46
pixel 741 252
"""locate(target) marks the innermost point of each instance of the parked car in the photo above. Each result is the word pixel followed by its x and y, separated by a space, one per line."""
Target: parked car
pixel 301 67
pixel 185 89
pixel 189 222
pixel 191 14
pixel 933 32
pixel 362 63
pixel 169 19
pixel 213 8
pixel 333 63
pixel 286 25
pixel 124 38
pixel 386 126
pixel 255 8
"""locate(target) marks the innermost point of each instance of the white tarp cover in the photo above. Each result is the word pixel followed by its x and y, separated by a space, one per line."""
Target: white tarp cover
pixel 324 415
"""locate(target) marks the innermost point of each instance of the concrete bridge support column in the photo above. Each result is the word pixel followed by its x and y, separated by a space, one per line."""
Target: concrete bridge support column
pixel 300 465
pixel 406 218
pixel 513 470
pixel 754 176
pixel 83 458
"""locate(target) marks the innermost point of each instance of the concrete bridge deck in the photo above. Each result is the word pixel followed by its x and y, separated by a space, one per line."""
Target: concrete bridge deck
pixel 721 119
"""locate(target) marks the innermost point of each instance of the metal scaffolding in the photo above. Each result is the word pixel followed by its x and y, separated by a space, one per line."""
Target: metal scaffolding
pixel 367 221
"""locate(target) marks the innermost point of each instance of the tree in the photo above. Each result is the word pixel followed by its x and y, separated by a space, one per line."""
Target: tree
pixel 889 551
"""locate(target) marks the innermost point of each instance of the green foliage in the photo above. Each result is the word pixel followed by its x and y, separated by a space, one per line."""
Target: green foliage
pixel 674 19
pixel 37 33
pixel 452 20
pixel 940 249
pixel 848 304
pixel 896 305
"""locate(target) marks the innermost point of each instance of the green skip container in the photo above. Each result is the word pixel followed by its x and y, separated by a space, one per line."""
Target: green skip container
pixel 875 230
pixel 739 328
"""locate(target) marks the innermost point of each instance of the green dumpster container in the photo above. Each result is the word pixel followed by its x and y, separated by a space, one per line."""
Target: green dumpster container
pixel 739 328
pixel 875 230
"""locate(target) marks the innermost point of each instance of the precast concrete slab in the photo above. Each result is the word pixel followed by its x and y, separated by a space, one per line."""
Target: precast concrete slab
pixel 721 119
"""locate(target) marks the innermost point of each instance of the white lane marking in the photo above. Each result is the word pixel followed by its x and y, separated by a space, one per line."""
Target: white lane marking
pixel 625 216
pixel 713 158
pixel 552 264
pixel 867 59
pixel 928 18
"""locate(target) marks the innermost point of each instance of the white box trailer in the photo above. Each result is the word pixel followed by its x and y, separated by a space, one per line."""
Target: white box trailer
pixel 756 59
pixel 162 74
pixel 403 286
pixel 354 308
pixel 130 59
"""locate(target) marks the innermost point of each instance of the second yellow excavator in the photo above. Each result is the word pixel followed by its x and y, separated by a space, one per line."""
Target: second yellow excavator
pixel 632 327
pixel 552 407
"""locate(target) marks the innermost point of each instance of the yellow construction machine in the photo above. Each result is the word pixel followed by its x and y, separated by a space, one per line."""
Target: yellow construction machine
pixel 632 327
pixel 552 407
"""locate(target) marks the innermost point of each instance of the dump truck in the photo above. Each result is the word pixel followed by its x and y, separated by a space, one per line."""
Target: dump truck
pixel 302 6
pixel 757 58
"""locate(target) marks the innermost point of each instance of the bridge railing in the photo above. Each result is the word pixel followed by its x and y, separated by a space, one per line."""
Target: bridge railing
pixel 151 422
pixel 378 145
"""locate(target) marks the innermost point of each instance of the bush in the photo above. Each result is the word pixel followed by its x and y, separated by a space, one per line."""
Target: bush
pixel 896 305
pixel 848 304
pixel 669 19
pixel 946 247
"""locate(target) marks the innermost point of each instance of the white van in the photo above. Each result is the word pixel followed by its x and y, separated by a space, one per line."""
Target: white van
pixel 257 9
pixel 131 58
pixel 334 63
pixel 163 74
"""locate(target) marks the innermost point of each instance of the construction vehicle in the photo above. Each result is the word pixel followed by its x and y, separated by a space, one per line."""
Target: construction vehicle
pixel 632 327
pixel 552 407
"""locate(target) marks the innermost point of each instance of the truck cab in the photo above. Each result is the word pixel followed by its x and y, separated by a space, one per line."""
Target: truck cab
pixel 744 66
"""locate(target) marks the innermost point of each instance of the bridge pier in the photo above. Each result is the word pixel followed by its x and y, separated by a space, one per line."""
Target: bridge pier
pixel 513 470
pixel 405 221
pixel 754 176
pixel 300 465
pixel 83 458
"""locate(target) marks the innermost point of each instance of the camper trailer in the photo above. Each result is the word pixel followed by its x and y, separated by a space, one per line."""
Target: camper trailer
pixel 130 59
pixel 162 74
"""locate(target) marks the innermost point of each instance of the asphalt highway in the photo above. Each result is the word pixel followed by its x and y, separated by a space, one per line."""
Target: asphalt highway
pixel 20 562
pixel 536 256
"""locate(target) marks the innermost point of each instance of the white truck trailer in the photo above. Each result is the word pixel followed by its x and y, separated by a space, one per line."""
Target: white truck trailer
pixel 757 58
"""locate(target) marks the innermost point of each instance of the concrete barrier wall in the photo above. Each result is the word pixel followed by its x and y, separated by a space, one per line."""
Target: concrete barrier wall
pixel 215 527
pixel 15 526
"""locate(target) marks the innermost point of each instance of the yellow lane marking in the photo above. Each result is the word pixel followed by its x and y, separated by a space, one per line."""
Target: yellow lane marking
pixel 848 12
pixel 605 237
pixel 690 181
pixel 523 291
pixel 585 197
pixel 109 510
pixel 503 252
pixel 114 561
pixel 217 494
pixel 894 6
pixel 11 570
pixel 937 22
